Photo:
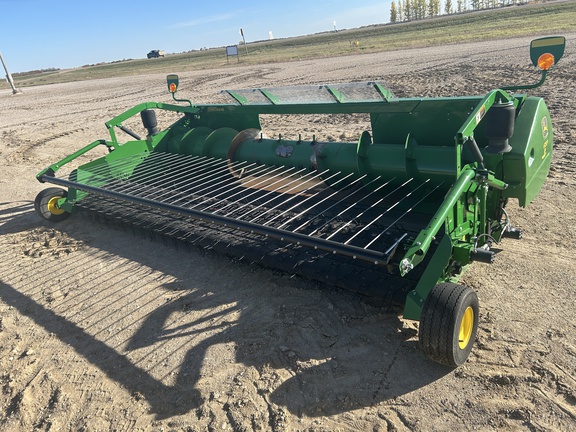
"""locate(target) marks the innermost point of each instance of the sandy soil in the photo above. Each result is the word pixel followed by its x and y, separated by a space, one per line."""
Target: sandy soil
pixel 101 330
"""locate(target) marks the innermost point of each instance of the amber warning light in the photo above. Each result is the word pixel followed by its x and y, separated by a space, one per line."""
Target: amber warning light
pixel 545 61
pixel 172 81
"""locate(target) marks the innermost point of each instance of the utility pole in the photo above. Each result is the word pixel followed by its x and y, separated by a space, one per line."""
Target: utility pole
pixel 244 39
pixel 9 77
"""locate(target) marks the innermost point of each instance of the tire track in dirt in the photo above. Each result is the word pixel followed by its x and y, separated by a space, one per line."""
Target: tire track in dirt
pixel 24 149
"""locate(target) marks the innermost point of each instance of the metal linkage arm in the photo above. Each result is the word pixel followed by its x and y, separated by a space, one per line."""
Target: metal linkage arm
pixel 419 248
pixel 51 170
pixel 117 121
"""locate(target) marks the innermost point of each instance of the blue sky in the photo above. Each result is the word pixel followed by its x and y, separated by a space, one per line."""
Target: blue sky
pixel 40 34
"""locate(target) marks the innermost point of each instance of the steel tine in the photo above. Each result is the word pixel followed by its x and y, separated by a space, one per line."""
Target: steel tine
pixel 381 215
pixel 242 190
pixel 303 212
pixel 242 187
pixel 351 206
pixel 301 202
pixel 401 216
pixel 220 176
pixel 280 179
pixel 286 192
pixel 133 185
pixel 364 186
pixel 369 208
pixel 200 175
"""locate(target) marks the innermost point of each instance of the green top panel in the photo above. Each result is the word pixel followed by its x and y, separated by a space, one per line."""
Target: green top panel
pixel 320 94
pixel 554 45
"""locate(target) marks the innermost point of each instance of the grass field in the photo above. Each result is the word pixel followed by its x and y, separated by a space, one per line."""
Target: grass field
pixel 539 19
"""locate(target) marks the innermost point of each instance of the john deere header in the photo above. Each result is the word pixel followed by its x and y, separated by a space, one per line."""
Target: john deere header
pixel 399 213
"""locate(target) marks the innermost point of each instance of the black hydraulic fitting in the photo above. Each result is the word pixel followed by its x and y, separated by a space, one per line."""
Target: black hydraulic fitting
pixel 514 233
pixel 482 255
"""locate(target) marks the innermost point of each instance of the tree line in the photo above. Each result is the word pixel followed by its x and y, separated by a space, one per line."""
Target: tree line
pixel 409 10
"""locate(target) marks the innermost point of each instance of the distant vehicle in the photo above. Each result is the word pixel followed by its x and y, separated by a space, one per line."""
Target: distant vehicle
pixel 156 54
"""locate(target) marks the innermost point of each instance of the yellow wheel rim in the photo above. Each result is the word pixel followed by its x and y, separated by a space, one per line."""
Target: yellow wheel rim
pixel 53 206
pixel 466 327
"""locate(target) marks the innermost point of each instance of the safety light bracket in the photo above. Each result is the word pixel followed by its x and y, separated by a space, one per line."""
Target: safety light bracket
pixel 172 82
pixel 544 52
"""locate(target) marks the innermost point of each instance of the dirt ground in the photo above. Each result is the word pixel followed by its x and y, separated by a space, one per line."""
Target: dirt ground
pixel 102 330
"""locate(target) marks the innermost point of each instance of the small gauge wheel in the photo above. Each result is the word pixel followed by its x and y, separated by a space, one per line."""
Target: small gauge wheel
pixel 46 204
pixel 449 324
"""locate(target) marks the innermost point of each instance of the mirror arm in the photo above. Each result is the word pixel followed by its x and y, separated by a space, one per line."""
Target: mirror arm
pixel 527 87
pixel 181 100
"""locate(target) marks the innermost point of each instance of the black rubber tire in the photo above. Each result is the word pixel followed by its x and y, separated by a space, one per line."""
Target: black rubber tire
pixel 442 317
pixel 41 204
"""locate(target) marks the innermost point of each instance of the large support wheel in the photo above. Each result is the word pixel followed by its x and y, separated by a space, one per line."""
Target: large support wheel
pixel 46 204
pixel 449 324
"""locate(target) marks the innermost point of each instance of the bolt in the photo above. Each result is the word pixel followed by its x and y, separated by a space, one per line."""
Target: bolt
pixel 406 266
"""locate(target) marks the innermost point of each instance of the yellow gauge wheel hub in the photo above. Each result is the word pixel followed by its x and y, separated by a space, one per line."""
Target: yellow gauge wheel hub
pixel 53 206
pixel 466 326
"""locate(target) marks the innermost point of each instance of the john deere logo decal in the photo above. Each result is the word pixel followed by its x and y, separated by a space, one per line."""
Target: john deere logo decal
pixel 545 127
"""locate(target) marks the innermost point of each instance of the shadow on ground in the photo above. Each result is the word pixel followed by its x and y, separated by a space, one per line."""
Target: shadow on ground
pixel 332 352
